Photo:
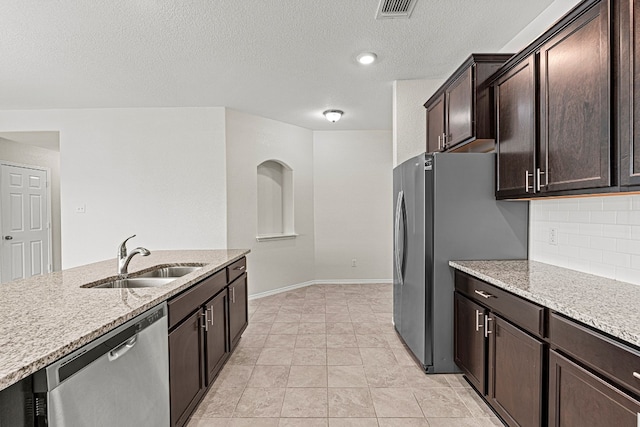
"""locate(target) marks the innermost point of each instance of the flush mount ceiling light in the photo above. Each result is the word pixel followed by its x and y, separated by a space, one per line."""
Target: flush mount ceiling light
pixel 367 58
pixel 333 115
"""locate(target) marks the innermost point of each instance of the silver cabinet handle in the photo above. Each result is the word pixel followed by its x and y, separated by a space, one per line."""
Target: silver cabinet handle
pixel 478 325
pixel 240 268
pixel 8 237
pixel 205 324
pixel 211 318
pixel 538 173
pixel 439 141
pixel 233 295
pixel 444 141
pixel 487 319
pixel 636 375
pixel 528 187
pixel 483 294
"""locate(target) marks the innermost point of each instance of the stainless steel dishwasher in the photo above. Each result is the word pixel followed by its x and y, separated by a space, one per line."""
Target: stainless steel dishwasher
pixel 120 379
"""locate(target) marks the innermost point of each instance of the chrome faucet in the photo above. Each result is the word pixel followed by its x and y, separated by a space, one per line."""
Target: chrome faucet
pixel 124 259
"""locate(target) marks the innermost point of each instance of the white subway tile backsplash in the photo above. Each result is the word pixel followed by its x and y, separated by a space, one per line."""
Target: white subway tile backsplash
pixel 591 229
pixel 616 203
pixel 628 246
pixel 603 243
pixel 590 204
pixel 578 240
pixel 558 216
pixel 629 217
pixel 603 217
pixel 616 259
pixel 597 235
pixel 581 217
pixel 617 231
pixel 568 205
pixel 587 254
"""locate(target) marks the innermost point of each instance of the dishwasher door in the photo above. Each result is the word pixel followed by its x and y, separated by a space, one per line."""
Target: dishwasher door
pixel 120 379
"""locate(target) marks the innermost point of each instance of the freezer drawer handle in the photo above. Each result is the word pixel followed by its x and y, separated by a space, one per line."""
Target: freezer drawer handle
pixel 124 348
pixel 483 294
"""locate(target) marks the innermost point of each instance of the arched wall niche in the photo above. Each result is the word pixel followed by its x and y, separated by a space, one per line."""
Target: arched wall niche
pixel 275 201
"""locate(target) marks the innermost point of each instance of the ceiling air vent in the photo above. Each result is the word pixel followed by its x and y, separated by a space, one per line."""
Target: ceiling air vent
pixel 395 9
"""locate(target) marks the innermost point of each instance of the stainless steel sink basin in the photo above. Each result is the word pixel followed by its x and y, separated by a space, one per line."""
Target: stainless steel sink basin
pixel 176 271
pixel 136 282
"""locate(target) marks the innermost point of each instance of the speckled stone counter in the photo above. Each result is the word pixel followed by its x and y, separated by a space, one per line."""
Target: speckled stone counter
pixel 605 304
pixel 46 317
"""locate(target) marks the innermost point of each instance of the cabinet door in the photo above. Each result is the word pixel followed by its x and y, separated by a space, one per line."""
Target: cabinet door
pixel 515 373
pixel 186 368
pixel 469 351
pixel 459 108
pixel 578 398
pixel 237 309
pixel 574 104
pixel 516 130
pixel 629 93
pixel 435 125
pixel 216 335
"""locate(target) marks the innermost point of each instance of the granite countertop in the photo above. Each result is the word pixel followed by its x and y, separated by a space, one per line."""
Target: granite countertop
pixel 46 317
pixel 605 304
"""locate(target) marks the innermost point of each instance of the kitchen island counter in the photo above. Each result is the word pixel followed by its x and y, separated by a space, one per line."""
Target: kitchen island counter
pixel 44 318
pixel 605 304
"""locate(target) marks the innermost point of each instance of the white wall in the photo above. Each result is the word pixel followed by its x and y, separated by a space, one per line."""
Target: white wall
pixel 409 117
pixel 598 235
pixel 353 205
pixel 252 140
pixel 155 172
pixel 35 156
pixel 539 25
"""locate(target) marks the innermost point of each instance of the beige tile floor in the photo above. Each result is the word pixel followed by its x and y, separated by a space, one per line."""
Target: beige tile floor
pixel 327 355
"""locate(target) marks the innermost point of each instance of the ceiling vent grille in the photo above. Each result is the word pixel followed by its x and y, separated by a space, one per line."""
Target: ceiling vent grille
pixel 395 9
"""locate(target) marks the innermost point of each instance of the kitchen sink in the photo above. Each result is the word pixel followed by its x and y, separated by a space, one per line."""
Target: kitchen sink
pixel 136 282
pixel 175 271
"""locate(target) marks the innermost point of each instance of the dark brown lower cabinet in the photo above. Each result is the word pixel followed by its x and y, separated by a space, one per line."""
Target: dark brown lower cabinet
pixel 469 348
pixel 216 335
pixel 515 373
pixel 238 319
pixel 204 320
pixel 578 398
pixel 186 368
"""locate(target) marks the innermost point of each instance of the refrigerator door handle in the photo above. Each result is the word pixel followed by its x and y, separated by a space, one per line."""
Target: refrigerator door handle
pixel 398 259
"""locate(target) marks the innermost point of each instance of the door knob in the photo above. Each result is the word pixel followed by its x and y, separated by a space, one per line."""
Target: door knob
pixel 8 237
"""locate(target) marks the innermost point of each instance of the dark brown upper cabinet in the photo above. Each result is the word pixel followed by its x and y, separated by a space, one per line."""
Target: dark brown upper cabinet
pixel 435 124
pixel 460 112
pixel 553 110
pixel 575 143
pixel 628 76
pixel 516 131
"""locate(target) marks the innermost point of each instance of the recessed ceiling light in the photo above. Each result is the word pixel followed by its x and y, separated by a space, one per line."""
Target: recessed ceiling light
pixel 367 58
pixel 333 115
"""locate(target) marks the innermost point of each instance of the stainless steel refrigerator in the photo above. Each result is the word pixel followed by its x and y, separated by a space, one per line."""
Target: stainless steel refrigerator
pixel 445 209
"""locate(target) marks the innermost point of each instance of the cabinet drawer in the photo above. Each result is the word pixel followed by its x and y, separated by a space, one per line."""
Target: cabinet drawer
pixel 525 314
pixel 190 300
pixel 236 269
pixel 597 351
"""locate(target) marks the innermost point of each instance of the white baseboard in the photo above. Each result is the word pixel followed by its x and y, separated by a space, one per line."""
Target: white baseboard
pixel 320 282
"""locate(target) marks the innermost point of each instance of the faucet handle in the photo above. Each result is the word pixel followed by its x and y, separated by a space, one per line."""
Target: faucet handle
pixel 122 249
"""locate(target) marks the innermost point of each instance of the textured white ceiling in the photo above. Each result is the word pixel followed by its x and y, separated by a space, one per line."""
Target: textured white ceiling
pixel 283 59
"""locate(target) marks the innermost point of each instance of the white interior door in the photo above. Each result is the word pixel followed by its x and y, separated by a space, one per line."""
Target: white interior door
pixel 24 222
